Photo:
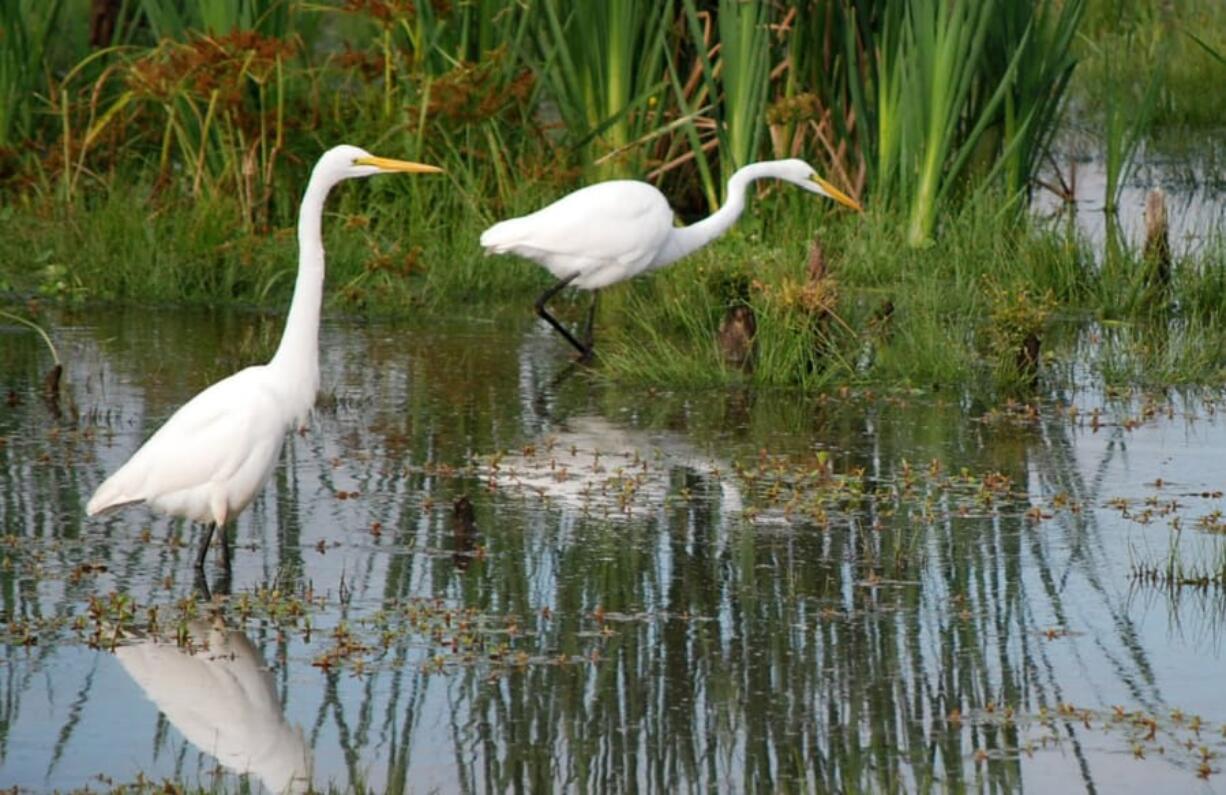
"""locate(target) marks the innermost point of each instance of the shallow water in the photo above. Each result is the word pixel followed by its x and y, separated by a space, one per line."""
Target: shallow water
pixel 1186 168
pixel 662 590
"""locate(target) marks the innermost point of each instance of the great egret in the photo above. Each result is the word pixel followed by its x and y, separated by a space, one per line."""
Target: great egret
pixel 590 465
pixel 215 453
pixel 613 231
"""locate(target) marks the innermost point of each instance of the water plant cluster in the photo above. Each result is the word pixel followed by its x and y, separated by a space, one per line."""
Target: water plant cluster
pixel 156 150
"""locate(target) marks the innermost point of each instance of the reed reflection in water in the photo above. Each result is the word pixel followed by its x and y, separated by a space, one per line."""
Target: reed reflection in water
pixel 669 592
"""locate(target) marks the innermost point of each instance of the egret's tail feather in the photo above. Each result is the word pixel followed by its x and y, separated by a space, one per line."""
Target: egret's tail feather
pixel 108 498
pixel 501 237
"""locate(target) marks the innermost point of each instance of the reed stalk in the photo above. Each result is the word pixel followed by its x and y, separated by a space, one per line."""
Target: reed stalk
pixel 604 66
pixel 735 73
pixel 1126 120
pixel 26 27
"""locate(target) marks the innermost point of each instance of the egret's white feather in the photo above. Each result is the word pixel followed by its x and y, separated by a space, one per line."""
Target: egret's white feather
pixel 227 439
pixel 606 232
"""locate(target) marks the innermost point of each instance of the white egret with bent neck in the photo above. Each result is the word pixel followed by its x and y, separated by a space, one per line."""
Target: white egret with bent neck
pixel 613 231
pixel 211 458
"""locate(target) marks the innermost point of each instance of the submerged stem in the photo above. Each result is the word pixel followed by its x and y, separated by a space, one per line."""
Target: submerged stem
pixel 46 338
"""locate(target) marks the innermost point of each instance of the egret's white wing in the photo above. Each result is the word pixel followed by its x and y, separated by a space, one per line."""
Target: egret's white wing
pixel 621 222
pixel 208 440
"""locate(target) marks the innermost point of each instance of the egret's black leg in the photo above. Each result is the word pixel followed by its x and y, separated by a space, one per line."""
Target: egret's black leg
pixel 551 320
pixel 225 551
pixel 221 585
pixel 588 339
pixel 204 545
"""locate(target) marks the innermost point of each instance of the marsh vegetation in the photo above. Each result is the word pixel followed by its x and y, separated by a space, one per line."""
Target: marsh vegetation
pixel 156 154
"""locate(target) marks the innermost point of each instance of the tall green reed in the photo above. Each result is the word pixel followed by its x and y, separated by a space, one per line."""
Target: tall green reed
pixel 1127 114
pixel 944 85
pixel 739 79
pixel 172 19
pixel 744 74
pixel 936 56
pixel 1039 38
pixel 604 66
pixel 25 29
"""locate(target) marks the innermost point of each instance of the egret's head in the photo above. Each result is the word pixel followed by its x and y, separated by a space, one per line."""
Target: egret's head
pixel 349 162
pixel 801 173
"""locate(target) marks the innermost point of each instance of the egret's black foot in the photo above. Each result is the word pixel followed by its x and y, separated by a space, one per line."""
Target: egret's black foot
pixel 221 586
pixel 201 587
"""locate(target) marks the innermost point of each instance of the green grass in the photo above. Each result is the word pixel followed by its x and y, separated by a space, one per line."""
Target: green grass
pixel 218 98
pixel 382 255
pixel 26 26
pixel 1129 41
pixel 961 308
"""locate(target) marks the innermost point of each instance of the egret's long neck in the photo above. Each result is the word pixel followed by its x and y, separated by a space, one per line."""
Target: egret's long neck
pixel 688 239
pixel 299 348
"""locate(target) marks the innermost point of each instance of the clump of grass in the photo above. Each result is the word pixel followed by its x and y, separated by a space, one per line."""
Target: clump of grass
pixel 808 332
pixel 1017 319
pixel 1206 571
pixel 970 309
pixel 954 93
pixel 1161 352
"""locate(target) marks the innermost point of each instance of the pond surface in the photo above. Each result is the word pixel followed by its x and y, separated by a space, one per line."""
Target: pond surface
pixel 1188 169
pixel 660 591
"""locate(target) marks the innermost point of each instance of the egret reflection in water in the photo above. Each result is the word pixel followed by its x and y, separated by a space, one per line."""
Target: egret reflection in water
pixel 592 465
pixel 221 696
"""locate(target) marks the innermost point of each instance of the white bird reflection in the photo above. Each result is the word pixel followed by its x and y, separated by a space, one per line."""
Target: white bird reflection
pixel 222 697
pixel 593 466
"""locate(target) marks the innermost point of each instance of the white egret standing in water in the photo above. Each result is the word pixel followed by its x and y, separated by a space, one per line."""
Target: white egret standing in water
pixel 213 456
pixel 613 231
